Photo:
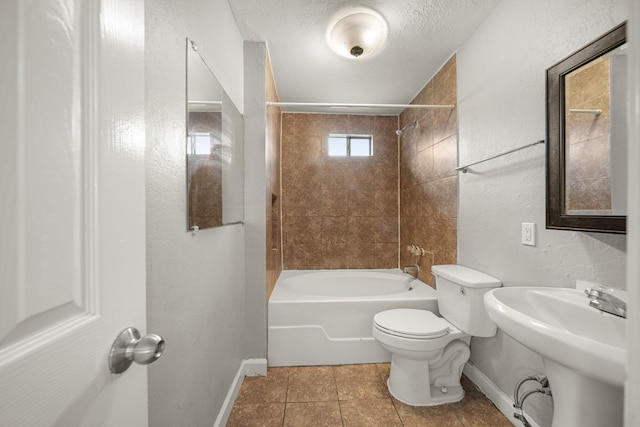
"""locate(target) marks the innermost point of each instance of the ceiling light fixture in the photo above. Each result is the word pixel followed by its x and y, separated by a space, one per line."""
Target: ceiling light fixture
pixel 357 32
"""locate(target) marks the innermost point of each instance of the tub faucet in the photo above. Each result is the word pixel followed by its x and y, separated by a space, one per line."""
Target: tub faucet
pixel 606 302
pixel 412 270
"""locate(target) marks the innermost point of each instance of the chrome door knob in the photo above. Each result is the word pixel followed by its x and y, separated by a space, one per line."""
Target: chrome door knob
pixel 129 348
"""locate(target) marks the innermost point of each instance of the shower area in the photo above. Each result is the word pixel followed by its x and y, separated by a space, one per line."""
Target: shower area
pixel 339 211
pixel 346 212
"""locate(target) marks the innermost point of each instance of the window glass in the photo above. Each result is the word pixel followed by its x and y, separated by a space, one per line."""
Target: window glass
pixel 350 145
pixel 337 145
pixel 360 146
pixel 199 143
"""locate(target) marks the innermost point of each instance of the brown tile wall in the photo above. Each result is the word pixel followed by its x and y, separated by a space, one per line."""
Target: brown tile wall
pixel 273 202
pixel 588 137
pixel 428 182
pixel 339 212
pixel 205 174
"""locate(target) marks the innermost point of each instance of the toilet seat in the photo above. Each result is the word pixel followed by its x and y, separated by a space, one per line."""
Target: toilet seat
pixel 411 323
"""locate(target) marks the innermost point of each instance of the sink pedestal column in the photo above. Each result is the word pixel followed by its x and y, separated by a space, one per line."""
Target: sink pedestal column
pixel 581 401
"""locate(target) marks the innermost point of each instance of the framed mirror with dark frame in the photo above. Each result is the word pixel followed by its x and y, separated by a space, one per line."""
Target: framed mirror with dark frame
pixel 586 170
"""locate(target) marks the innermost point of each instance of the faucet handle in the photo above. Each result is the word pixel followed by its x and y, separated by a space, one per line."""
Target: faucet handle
pixel 593 292
pixel 416 250
pixel 607 302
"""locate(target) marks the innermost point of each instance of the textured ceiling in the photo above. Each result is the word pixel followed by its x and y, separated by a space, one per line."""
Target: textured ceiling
pixel 423 34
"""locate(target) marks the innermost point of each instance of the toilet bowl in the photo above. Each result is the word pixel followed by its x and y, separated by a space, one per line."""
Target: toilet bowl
pixel 427 356
pixel 428 352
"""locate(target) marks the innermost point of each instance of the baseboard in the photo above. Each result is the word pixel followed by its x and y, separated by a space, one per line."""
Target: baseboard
pixel 248 367
pixel 255 367
pixel 502 401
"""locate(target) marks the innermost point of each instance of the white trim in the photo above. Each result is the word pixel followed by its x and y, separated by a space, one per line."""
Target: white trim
pixel 255 367
pixel 632 386
pixel 248 367
pixel 497 396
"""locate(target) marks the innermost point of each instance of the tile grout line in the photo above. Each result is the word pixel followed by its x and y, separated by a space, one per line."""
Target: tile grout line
pixel 333 370
pixel 384 383
pixel 286 396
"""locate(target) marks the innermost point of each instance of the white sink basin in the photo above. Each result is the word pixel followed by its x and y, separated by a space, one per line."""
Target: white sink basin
pixel 559 323
pixel 582 348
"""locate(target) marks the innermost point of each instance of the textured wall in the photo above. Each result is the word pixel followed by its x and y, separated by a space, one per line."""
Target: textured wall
pixel 339 212
pixel 256 195
pixel 273 203
pixel 195 283
pixel 501 106
pixel 428 182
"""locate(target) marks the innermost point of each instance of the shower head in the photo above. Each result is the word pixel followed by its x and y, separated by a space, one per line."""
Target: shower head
pixel 400 132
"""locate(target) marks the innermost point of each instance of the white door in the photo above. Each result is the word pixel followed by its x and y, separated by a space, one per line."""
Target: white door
pixel 72 227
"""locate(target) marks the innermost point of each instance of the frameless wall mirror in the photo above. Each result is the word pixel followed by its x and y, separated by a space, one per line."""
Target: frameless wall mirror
pixel 214 149
pixel 587 137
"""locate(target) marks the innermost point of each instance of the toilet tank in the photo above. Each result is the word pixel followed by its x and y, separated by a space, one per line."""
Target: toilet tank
pixel 461 298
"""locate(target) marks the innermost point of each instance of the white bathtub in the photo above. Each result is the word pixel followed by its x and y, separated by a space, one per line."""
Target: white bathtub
pixel 325 317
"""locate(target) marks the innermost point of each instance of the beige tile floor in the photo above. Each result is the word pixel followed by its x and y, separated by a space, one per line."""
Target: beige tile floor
pixel 350 396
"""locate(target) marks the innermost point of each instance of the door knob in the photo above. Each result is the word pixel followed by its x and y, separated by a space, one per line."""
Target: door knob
pixel 129 348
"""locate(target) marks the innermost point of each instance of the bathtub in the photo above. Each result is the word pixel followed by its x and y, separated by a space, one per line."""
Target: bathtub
pixel 325 317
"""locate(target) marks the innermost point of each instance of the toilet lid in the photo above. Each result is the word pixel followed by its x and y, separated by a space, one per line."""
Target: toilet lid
pixel 411 323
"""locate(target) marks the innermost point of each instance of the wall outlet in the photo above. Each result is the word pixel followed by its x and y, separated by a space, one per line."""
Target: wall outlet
pixel 529 233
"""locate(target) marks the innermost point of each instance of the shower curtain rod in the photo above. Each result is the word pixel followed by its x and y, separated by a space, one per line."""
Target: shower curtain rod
pixel 346 105
pixel 466 167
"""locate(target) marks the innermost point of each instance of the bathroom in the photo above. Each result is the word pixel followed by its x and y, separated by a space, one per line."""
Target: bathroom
pixel 491 206
pixel 206 293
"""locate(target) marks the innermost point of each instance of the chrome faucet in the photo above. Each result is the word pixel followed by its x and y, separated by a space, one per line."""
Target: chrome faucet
pixel 603 301
pixel 418 252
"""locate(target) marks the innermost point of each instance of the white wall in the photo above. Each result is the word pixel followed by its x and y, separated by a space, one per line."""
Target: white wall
pixel 255 59
pixel 195 283
pixel 501 106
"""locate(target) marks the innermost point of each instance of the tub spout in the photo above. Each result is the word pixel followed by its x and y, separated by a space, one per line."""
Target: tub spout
pixel 412 270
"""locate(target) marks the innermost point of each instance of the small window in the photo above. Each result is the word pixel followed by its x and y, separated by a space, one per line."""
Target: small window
pixel 350 145
pixel 199 143
pixel 338 146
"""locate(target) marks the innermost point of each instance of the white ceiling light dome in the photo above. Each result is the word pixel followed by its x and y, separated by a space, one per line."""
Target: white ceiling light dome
pixel 357 32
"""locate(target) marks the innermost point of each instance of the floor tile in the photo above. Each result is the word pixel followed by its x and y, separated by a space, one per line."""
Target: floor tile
pixel 475 410
pixel 369 413
pixel 312 414
pixel 359 382
pixel 470 388
pixel 311 384
pixel 257 415
pixel 427 416
pixel 352 396
pixel 272 388
pixel 383 370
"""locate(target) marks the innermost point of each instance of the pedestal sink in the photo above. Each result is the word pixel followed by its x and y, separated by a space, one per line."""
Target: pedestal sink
pixel 582 349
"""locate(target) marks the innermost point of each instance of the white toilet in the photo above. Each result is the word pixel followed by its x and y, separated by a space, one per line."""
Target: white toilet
pixel 428 352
